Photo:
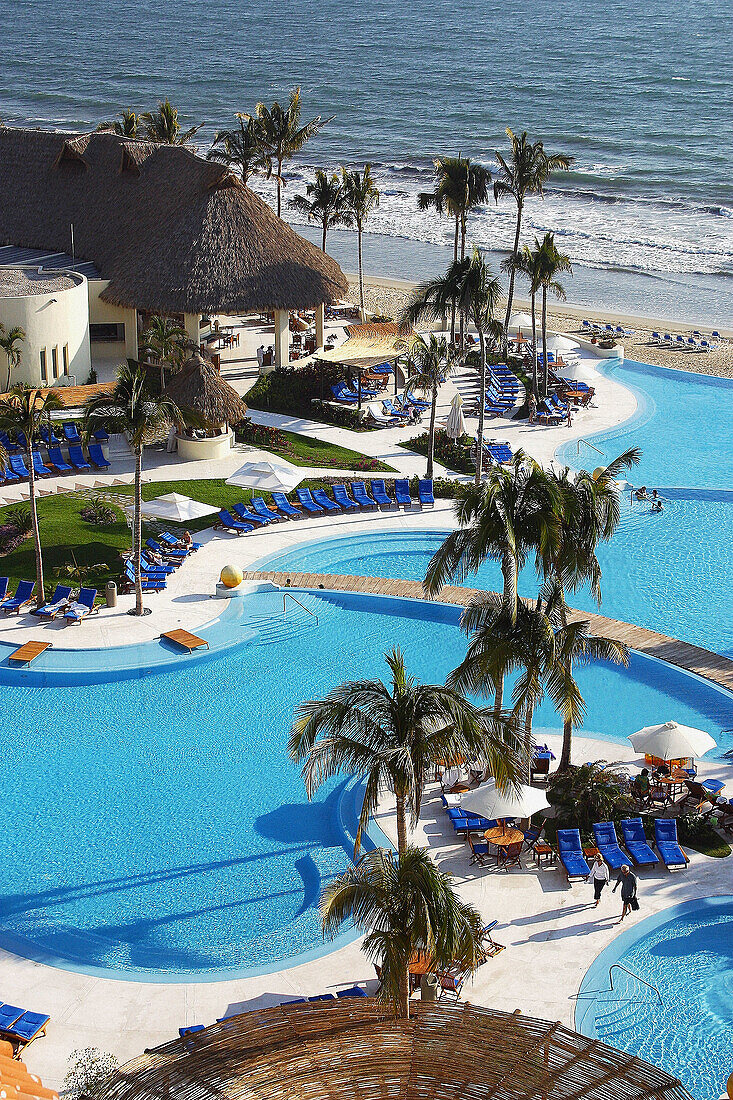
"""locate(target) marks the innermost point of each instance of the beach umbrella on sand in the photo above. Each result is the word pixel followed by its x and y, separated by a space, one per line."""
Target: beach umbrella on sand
pixel 670 741
pixel 176 508
pixel 455 425
pixel 488 801
pixel 267 476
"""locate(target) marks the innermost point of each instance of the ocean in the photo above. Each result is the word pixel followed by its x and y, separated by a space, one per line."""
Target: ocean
pixel 640 95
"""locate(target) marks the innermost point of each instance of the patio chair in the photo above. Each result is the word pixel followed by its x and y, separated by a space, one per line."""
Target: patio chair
pixel 71 433
pixel 533 836
pixel 380 494
pixel 699 796
pixel 229 523
pixel 361 496
pixel 56 459
pixel 451 983
pixel 723 811
pixel 76 457
pixel 607 844
pixel 305 498
pixel 283 505
pixel 402 492
pixel 425 491
pixel 23 595
pixel 96 457
pixel 321 497
pixel 570 853
pixel 56 604
pixel 489 946
pixel 83 606
pixel 540 766
pixel 635 842
pixel 510 855
pixel 342 498
pixel 666 843
pixel 480 853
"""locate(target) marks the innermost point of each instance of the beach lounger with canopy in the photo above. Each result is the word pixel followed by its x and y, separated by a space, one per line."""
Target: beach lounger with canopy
pixel 570 852
pixel 425 491
pixel 321 497
pixel 361 496
pixel 58 462
pixel 667 844
pixel 607 844
pixel 23 595
pixel 96 457
pixel 259 507
pixel 227 520
pixel 305 498
pixel 251 517
pixel 380 494
pixel 76 458
pixel 56 604
pixel 38 466
pixel 82 607
pixel 402 492
pixel 635 842
pixel 71 433
pixel 283 505
pixel 342 498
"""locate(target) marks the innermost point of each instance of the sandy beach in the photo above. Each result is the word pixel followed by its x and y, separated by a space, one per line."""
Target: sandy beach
pixel 389 296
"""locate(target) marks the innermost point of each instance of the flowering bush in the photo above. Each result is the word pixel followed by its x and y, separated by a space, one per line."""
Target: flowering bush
pixel 88 1070
pixel 451 453
pixel 259 435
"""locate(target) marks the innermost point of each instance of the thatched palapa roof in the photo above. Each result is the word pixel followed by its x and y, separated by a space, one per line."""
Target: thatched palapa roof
pixel 350 1049
pixel 368 346
pixel 172 232
pixel 198 386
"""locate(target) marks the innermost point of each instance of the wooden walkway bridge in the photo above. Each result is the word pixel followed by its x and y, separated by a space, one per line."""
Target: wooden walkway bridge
pixel 711 666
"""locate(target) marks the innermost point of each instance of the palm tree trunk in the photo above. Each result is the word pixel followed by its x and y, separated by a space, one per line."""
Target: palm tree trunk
pixel 137 531
pixel 453 307
pixel 431 434
pixel 401 825
pixel 323 242
pixel 279 183
pixel 361 277
pixel 534 346
pixel 7 388
pixel 528 740
pixel 482 402
pixel 544 341
pixel 40 595
pixel 463 256
pixel 499 695
pixel 567 741
pixel 404 1006
pixel 510 292
pixel 509 573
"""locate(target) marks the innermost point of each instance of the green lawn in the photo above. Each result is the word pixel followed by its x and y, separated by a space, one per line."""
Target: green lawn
pixel 308 451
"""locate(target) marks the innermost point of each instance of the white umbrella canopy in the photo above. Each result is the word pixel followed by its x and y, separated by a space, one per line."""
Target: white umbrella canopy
pixel 177 508
pixel 455 425
pixel 519 320
pixel 488 801
pixel 581 371
pixel 561 343
pixel 267 476
pixel 670 741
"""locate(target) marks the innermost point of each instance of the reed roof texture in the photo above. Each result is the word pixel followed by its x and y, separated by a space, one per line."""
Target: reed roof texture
pixel 172 232
pixel 367 346
pixel 198 386
pixel 350 1049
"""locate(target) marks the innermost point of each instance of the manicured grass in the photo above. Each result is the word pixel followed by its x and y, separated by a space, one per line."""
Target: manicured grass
pixel 308 451
pixel 707 842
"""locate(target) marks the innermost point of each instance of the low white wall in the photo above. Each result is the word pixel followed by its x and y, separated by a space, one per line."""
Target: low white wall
pixel 616 352
pixel 54 319
pixel 201 450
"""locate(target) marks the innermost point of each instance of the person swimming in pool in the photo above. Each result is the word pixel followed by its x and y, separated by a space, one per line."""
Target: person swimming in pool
pixel 641 494
pixel 657 505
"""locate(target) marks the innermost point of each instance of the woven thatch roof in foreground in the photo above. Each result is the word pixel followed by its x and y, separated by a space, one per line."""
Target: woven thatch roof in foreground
pixel 173 233
pixel 198 386
pixel 356 1049
pixel 367 346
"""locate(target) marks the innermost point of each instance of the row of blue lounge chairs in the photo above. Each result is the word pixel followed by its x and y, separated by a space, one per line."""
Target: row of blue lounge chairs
pixel 695 342
pixel 502 390
pixel 55 464
pixel 572 857
pixel 50 438
pixel 318 502
pixel 154 572
pixel 61 602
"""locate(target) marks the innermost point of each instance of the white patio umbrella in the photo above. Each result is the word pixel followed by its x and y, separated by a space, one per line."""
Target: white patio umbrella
pixel 519 320
pixel 267 476
pixel 455 425
pixel 561 343
pixel 488 801
pixel 177 508
pixel 670 741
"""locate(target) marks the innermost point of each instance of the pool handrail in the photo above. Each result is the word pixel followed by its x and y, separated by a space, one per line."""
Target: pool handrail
pixel 611 988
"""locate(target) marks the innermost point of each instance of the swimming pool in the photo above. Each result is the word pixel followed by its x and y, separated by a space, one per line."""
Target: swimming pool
pixel 155 828
pixel 687 953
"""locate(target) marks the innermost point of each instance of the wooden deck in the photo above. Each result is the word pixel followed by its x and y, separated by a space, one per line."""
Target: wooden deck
pixel 711 666
pixel 26 653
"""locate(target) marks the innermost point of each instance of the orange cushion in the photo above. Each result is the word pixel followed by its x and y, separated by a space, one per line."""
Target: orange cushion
pixel 6 1049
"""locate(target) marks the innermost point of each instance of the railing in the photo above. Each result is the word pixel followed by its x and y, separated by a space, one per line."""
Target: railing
pixel 289 596
pixel 591 445
pixel 611 989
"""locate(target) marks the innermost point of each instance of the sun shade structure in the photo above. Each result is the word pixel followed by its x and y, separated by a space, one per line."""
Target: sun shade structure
pixel 559 344
pixel 488 801
pixel 350 1049
pixel 669 741
pixel 267 476
pixel 368 346
pixel 176 508
pixel 199 388
pixel 455 425
pixel 172 232
pixel 519 320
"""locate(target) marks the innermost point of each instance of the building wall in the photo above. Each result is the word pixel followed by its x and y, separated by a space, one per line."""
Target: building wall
pixel 102 313
pixel 58 320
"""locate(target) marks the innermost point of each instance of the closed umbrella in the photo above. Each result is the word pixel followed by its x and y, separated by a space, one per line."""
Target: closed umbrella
pixel 267 476
pixel 488 801
pixel 176 508
pixel 670 741
pixel 455 425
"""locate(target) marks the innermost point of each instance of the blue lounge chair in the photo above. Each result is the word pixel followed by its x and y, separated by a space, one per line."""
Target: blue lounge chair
pixel 56 604
pixel 23 595
pixel 96 457
pixel 153 567
pixel 361 496
pixel 244 514
pixel 82 606
pixel 342 498
pixel 227 520
pixel 570 852
pixel 635 842
pixel 17 465
pixel 353 991
pixel 149 583
pixel 306 499
pixel 76 457
pixel 607 844
pixel 57 461
pixel 343 394
pixel 38 466
pixel 101 436
pixel 402 492
pixel 4 581
pixel 26 1028
pixel 184 1031
pixel 260 509
pixel 391 408
pixel 9 475
pixel 71 433
pixel 49 437
pixel 171 540
pixel 380 494
pixel 667 844
pixel 8 443
pixel 22 440
pixel 171 552
pixel 8 1015
pixel 283 505
pixel 416 402
pixel 321 497
pixel 425 491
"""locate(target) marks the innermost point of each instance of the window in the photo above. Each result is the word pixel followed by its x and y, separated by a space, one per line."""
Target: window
pixel 106 332
pixel 65 354
pixel 44 368
pixel 55 362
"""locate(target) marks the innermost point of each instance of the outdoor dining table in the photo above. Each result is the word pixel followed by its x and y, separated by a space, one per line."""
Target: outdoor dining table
pixel 674 782
pixel 502 837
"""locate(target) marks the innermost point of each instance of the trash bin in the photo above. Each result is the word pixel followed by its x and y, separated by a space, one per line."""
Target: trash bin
pixel 111 594
pixel 428 987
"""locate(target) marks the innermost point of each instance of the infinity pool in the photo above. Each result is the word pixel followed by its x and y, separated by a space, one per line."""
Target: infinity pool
pixel 687 953
pixel 155 827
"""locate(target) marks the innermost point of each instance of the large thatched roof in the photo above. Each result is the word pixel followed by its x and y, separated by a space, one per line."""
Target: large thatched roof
pixel 351 1049
pixel 172 232
pixel 198 386
pixel 368 346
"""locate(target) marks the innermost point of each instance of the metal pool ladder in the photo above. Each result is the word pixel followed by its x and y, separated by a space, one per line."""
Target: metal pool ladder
pixel 591 445
pixel 289 596
pixel 611 989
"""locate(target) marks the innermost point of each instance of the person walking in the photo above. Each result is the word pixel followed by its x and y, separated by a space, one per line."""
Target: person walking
pixel 627 881
pixel 599 876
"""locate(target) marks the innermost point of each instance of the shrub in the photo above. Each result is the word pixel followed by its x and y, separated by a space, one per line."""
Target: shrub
pixel 291 390
pixel 260 435
pixel 98 513
pixel 344 416
pixel 454 454
pixel 590 793
pixel 88 1070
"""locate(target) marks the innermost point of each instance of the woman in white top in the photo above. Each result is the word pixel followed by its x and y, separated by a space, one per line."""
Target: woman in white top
pixel 599 876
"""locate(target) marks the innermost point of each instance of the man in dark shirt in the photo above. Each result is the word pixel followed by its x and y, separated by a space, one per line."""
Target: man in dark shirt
pixel 627 881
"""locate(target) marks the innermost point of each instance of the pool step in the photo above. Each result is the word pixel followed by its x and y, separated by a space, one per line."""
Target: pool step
pixel 295 622
pixel 624 1019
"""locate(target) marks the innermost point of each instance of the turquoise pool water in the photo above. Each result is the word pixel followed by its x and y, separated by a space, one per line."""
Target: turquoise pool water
pixel 155 827
pixel 687 953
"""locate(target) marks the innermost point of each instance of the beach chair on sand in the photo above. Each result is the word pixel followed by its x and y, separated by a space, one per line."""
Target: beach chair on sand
pixel 666 843
pixel 607 844
pixel 635 842
pixel 570 853
pixel 283 505
pixel 83 606
pixel 380 494
pixel 23 595
pixel 56 604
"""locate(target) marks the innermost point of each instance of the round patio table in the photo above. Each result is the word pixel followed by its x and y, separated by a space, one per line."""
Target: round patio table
pixel 503 837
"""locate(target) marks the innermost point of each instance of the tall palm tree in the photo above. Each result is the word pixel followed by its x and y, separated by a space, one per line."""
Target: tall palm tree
pixel 323 202
pixel 163 127
pixel 10 341
pixel 361 196
pixel 25 409
pixel 166 342
pixel 525 171
pixel 527 262
pixel 404 905
pixel 394 735
pixel 470 284
pixel 142 415
pixel 550 264
pixel 283 136
pixel 429 360
pixel 240 149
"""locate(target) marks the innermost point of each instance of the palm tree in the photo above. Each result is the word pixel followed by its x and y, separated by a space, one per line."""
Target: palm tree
pixel 323 204
pixel 127 125
pixel 132 408
pixel 393 735
pixel 10 341
pixel 25 409
pixel 163 127
pixel 524 172
pixel 470 284
pixel 428 362
pixel 361 196
pixel 166 341
pixel 283 136
pixel 550 263
pixel 240 149
pixel 527 262
pixel 405 905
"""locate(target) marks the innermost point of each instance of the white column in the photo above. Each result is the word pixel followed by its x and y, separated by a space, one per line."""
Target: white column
pixel 320 322
pixel 191 323
pixel 282 337
pixel 130 322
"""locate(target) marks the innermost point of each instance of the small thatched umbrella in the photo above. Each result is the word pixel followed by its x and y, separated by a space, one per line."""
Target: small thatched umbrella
pixel 198 388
